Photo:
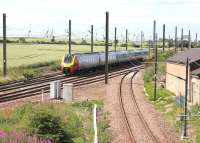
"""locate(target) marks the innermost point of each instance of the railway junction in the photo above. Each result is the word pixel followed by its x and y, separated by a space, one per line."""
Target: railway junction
pixel 129 88
pixel 128 110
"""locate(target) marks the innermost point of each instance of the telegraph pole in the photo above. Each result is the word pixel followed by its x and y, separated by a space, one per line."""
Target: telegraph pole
pixel 182 39
pixel 4 46
pixel 92 44
pixel 126 39
pixel 106 47
pixel 115 39
pixel 155 57
pixel 163 37
pixel 186 94
pixel 69 37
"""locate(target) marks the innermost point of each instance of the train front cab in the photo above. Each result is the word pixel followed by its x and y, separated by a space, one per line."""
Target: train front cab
pixel 69 64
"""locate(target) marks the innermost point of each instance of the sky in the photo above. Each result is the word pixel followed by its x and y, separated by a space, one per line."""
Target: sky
pixel 134 15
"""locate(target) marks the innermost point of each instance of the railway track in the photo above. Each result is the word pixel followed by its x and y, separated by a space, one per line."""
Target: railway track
pixel 131 135
pixel 29 91
pixel 51 77
pixel 136 108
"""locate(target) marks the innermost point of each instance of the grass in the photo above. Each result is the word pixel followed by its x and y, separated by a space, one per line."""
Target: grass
pixel 165 100
pixel 26 54
pixel 70 122
pixel 29 58
pixel 29 71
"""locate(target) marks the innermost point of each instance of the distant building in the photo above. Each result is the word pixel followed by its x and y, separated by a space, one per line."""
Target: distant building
pixel 176 74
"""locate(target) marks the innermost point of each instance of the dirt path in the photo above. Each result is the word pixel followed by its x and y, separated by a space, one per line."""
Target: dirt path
pixel 118 133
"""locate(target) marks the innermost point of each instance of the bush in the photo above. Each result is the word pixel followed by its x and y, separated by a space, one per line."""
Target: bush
pixel 135 45
pixel 53 39
pixel 49 126
pixel 88 104
pixel 22 40
pixel 28 74
pixel 84 42
pixel 123 45
pixel 62 123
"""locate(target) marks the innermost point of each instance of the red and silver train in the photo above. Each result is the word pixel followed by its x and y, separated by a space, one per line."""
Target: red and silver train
pixel 72 63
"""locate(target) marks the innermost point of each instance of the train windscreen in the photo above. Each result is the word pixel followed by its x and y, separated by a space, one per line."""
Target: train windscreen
pixel 68 59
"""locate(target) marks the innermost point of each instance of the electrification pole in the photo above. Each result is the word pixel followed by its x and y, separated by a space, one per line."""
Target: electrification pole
pixel 182 39
pixel 141 39
pixel 169 42
pixel 175 44
pixel 149 48
pixel 163 37
pixel 155 57
pixel 70 37
pixel 189 41
pixel 106 47
pixel 186 94
pixel 92 44
pixel 115 39
pixel 4 46
pixel 126 39
pixel 196 41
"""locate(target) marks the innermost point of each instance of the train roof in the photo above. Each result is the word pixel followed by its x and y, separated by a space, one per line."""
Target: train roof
pixel 137 50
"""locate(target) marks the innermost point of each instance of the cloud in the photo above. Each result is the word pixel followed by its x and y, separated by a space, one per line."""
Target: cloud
pixel 175 2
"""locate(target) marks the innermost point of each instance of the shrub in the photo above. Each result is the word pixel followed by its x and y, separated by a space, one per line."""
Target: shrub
pixel 20 137
pixel 84 42
pixel 53 39
pixel 123 45
pixel 22 40
pixel 50 126
pixel 135 45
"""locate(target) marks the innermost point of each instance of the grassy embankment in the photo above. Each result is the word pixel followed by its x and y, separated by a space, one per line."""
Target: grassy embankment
pixel 166 103
pixel 63 123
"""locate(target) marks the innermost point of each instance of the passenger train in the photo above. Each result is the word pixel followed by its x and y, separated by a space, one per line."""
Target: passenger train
pixel 76 62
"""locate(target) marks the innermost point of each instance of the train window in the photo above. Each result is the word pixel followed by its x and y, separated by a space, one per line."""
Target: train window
pixel 68 59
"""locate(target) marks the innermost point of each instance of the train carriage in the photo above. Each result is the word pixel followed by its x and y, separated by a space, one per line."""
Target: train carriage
pixel 76 62
pixel 111 58
pixel 88 60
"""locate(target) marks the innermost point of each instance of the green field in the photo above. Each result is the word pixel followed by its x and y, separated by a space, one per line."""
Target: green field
pixel 33 59
pixel 26 54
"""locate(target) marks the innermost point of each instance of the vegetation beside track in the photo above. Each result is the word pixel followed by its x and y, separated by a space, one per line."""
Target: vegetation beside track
pixel 29 71
pixel 165 102
pixel 27 54
pixel 61 122
pixel 32 59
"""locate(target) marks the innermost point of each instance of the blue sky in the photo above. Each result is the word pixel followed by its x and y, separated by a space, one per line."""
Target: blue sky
pixel 135 15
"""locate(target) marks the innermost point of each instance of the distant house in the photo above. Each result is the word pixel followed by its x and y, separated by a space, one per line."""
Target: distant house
pixel 176 74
